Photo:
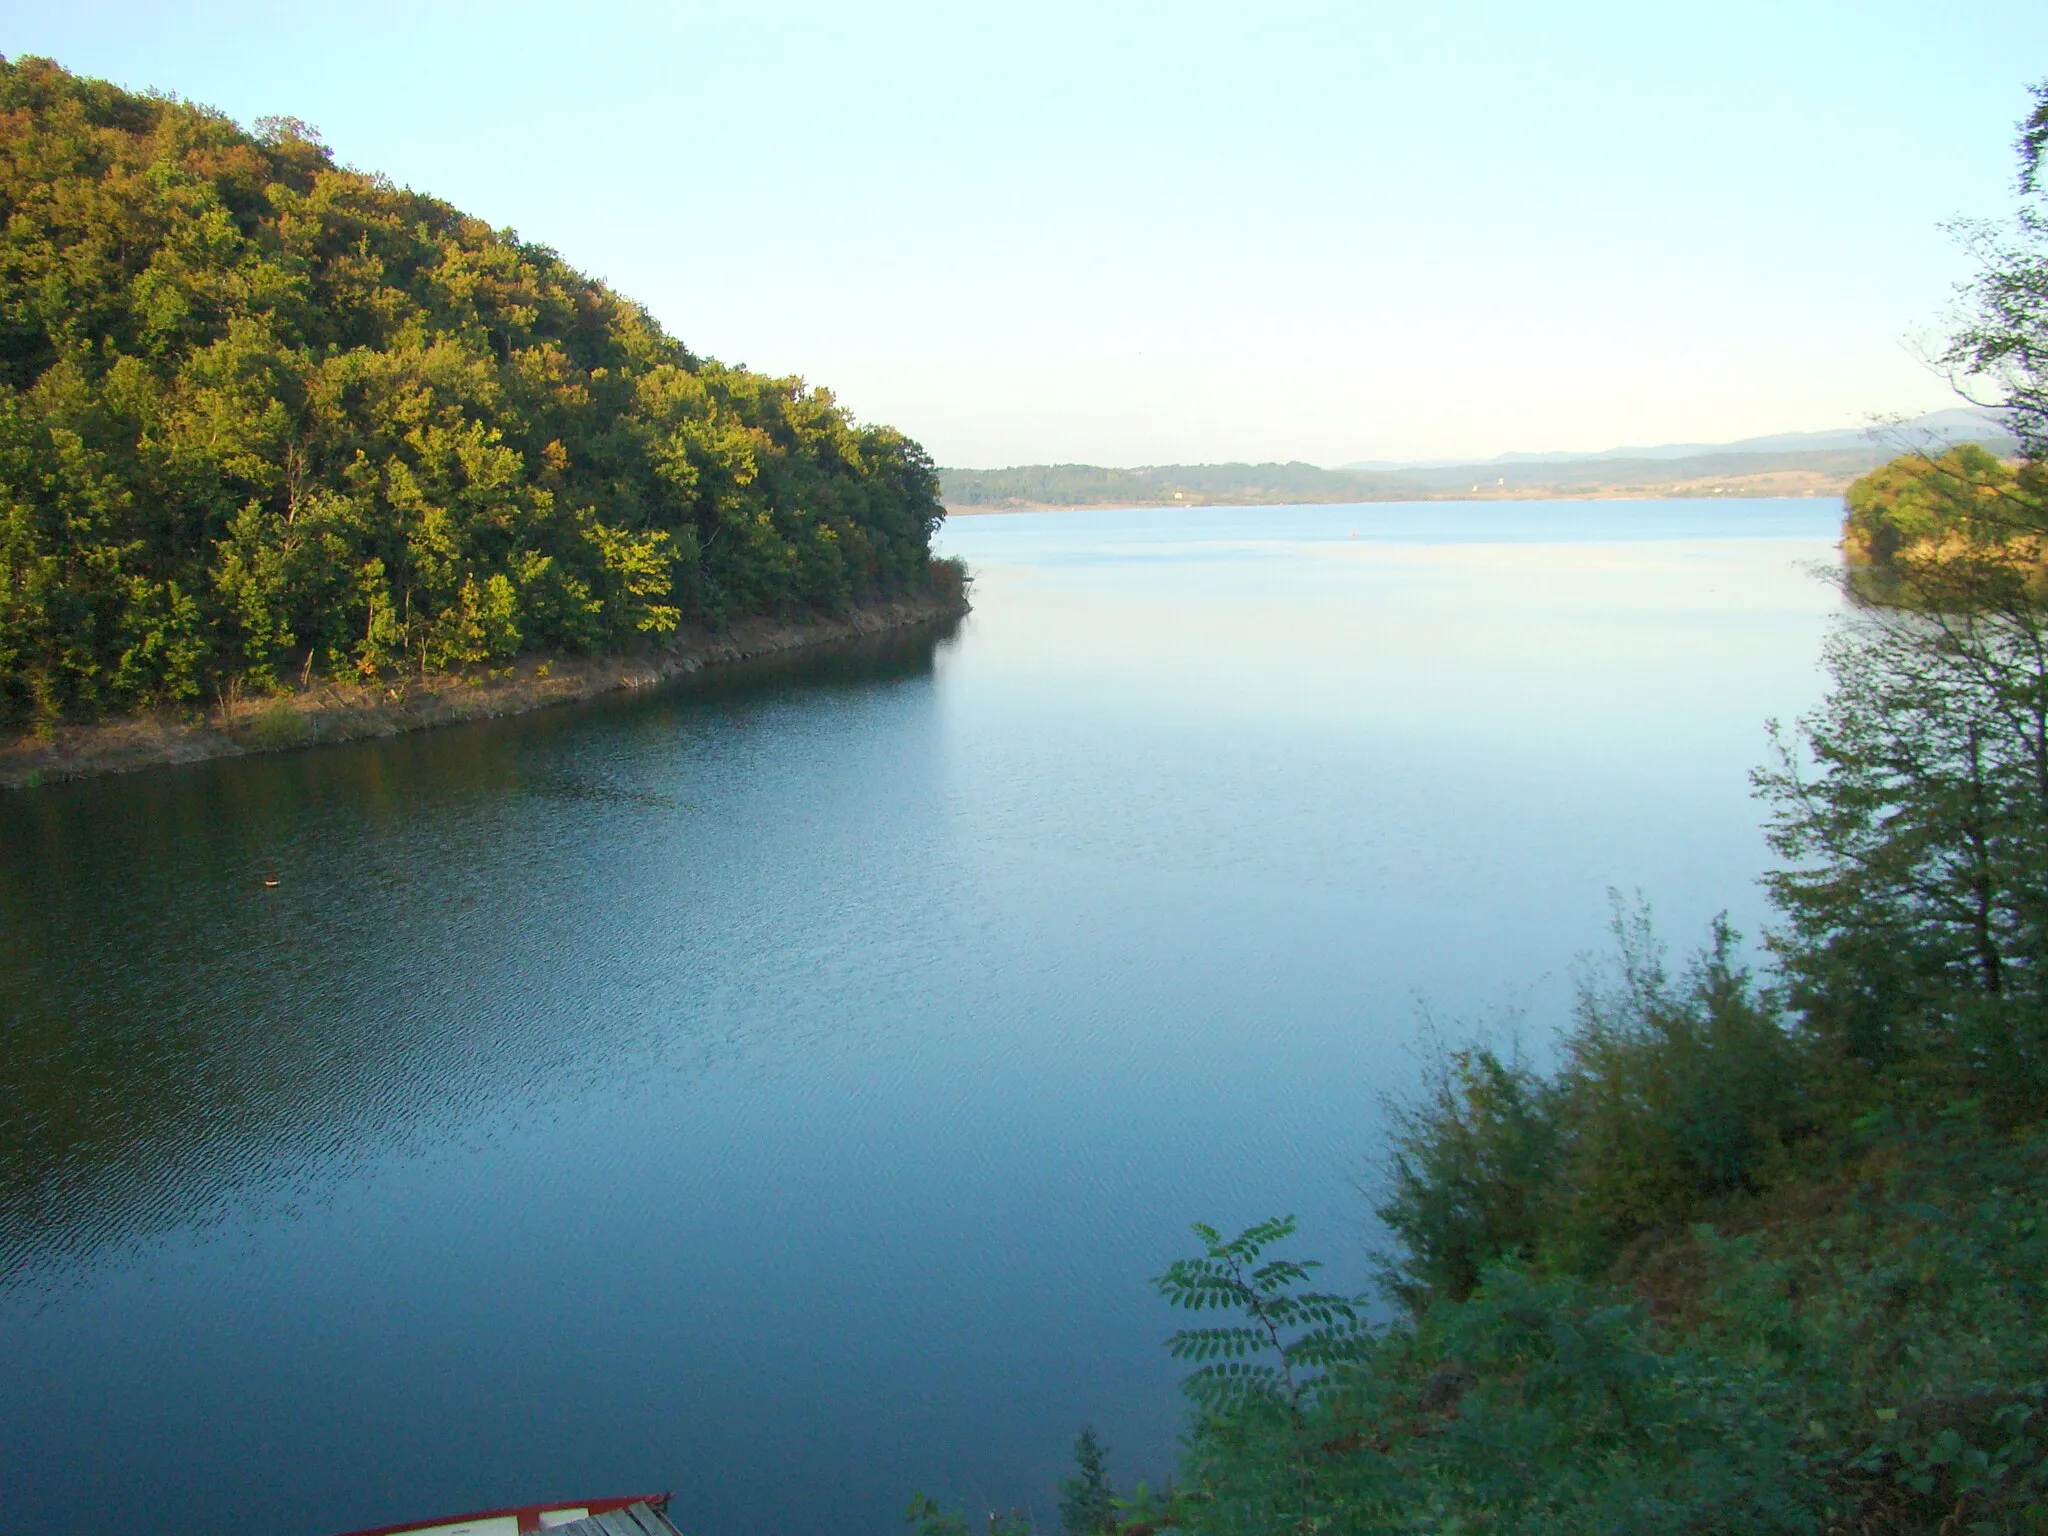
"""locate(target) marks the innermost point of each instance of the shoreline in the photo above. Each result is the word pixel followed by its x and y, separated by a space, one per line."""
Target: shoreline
pixel 332 712
pixel 1727 488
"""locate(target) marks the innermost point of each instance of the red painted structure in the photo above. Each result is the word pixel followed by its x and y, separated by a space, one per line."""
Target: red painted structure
pixel 528 1515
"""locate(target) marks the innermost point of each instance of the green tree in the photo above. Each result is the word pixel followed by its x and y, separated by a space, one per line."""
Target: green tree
pixel 1912 813
pixel 1087 1501
pixel 1912 808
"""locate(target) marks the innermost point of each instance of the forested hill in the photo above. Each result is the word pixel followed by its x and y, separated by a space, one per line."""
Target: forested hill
pixel 262 416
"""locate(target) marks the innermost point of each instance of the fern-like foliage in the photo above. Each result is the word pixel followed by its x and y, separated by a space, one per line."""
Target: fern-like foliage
pixel 1287 1336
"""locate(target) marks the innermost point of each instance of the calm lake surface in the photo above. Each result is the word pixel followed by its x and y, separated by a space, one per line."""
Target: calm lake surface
pixel 781 1089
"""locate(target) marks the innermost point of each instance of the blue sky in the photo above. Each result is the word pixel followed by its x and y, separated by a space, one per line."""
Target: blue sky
pixel 1133 234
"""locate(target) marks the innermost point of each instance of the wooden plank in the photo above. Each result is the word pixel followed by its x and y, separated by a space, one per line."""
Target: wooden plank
pixel 637 1519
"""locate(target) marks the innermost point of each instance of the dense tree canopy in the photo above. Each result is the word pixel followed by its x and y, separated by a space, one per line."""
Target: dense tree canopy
pixel 262 415
pixel 1921 505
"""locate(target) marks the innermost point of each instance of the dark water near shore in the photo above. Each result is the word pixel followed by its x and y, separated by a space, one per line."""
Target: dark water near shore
pixel 780 1088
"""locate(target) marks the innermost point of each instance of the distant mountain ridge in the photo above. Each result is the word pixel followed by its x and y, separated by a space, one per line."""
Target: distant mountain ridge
pixel 1957 425
pixel 1784 464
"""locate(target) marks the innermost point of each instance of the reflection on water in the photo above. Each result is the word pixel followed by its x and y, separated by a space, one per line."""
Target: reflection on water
pixel 779 1087
pixel 177 1028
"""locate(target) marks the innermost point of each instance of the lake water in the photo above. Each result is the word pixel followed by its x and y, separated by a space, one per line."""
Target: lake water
pixel 781 1089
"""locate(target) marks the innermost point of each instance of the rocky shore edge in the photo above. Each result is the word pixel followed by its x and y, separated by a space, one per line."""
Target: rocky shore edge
pixel 333 712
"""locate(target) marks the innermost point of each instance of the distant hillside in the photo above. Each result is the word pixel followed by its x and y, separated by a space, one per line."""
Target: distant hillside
pixel 1089 485
pixel 1966 424
pixel 1819 472
pixel 1051 486
pixel 1819 469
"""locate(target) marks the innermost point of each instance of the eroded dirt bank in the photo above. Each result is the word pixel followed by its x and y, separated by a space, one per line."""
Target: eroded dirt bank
pixel 329 712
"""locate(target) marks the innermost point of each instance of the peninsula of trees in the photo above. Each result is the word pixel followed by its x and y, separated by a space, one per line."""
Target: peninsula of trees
pixel 266 419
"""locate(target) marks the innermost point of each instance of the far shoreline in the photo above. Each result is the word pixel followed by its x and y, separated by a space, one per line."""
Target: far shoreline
pixel 1722 490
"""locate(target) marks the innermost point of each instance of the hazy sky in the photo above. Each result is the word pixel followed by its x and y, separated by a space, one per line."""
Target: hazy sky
pixel 1139 234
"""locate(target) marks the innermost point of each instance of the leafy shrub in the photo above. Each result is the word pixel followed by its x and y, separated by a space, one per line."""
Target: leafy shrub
pixel 1901 1322
pixel 1670 1097
pixel 1472 1166
pixel 278 724
pixel 1534 1405
pixel 1867 1359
